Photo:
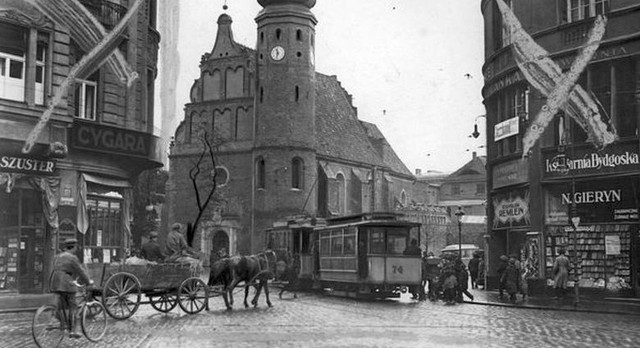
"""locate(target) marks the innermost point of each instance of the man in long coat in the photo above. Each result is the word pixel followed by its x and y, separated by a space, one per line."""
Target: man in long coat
pixel 67 267
pixel 561 268
pixel 151 250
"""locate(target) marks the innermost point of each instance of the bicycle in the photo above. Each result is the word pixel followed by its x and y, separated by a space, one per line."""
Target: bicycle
pixel 51 324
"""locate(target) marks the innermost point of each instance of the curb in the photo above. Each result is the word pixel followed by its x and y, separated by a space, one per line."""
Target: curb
pixel 495 304
pixel 18 310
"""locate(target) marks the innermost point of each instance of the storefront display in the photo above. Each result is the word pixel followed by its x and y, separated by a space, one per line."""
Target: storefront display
pixel 597 266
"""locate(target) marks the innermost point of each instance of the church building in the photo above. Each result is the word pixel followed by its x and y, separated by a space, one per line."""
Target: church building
pixel 287 140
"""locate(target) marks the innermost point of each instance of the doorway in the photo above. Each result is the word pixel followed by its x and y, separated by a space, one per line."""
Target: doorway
pixel 220 240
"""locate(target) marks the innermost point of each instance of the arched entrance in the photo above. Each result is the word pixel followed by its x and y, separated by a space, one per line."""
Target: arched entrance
pixel 220 240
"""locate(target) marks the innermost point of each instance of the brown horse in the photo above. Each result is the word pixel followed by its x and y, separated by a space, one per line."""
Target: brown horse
pixel 253 270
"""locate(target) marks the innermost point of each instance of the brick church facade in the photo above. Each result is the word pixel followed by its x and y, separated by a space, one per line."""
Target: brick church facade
pixel 288 141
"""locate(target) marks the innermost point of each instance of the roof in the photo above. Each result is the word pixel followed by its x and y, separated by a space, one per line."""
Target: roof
pixel 474 168
pixel 389 157
pixel 339 133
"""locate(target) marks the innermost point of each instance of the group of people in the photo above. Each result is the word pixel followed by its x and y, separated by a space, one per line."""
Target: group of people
pixel 447 278
pixel 511 278
pixel 176 247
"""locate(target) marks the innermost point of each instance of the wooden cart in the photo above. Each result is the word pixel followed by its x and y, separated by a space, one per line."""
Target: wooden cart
pixel 164 285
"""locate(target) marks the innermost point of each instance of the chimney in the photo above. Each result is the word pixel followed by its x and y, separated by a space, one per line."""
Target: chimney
pixel 418 171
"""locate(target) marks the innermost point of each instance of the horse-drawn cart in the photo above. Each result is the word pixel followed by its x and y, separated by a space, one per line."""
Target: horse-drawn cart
pixel 164 285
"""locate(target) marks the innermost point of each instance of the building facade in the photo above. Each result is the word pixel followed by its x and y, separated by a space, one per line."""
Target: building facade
pixel 287 139
pixel 76 181
pixel 533 199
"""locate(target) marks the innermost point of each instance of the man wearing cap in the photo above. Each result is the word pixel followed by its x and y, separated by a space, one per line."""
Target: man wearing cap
pixel 176 244
pixel 151 250
pixel 67 267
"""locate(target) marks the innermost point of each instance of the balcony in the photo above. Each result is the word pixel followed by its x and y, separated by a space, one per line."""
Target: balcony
pixel 106 12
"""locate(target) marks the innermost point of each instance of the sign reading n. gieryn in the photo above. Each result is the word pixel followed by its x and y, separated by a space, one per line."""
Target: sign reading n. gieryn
pixel 97 137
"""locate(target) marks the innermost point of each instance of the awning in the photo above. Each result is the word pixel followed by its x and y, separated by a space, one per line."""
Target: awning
pixel 473 219
pixel 105 181
pixel 462 203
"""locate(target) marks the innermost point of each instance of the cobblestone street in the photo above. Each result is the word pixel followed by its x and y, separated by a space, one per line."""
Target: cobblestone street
pixel 321 321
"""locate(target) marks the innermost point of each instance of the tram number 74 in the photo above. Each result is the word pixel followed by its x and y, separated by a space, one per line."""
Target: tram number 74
pixel 397 269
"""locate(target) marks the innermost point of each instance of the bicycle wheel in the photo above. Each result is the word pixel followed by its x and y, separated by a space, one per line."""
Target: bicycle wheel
pixel 94 321
pixel 47 329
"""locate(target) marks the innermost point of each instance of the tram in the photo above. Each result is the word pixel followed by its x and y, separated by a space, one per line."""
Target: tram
pixel 364 256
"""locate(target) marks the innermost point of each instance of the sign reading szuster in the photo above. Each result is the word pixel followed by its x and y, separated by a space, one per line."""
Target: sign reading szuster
pixel 621 158
pixel 26 165
pixel 97 137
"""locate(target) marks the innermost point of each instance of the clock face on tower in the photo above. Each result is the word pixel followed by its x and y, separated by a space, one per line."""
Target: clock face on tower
pixel 277 53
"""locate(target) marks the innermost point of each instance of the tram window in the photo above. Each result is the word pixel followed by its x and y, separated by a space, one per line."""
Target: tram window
pixel 349 244
pixel 377 241
pixel 324 243
pixel 396 241
pixel 336 242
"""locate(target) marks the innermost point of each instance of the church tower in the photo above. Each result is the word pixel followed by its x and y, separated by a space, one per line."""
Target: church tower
pixel 285 141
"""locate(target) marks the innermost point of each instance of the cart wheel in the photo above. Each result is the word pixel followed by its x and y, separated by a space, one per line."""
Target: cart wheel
pixel 47 330
pixel 121 295
pixel 164 303
pixel 193 295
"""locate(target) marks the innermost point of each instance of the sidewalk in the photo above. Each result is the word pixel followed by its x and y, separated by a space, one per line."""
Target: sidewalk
pixel 629 306
pixel 12 302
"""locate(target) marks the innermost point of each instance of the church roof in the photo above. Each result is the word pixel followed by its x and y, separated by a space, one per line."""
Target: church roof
pixel 341 135
pixel 338 130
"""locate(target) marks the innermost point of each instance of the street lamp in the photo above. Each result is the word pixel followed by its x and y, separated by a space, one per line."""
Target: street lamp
pixel 475 133
pixel 459 215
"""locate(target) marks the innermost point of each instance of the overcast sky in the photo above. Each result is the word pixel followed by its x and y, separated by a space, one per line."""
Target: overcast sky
pixel 412 66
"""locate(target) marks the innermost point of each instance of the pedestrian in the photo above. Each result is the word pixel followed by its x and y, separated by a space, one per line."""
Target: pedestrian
pixel 67 267
pixel 176 244
pixel 511 277
pixel 414 249
pixel 473 269
pixel 430 273
pixel 463 281
pixel 449 281
pixel 151 250
pixel 504 262
pixel 518 264
pixel 481 272
pixel 561 268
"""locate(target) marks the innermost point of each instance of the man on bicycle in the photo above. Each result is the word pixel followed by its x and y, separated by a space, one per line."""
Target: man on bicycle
pixel 67 267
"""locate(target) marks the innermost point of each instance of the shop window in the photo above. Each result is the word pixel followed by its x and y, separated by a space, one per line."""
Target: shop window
pixel 297 173
pixel 85 98
pixel 103 241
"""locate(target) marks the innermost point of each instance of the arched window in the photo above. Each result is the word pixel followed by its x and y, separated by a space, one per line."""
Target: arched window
pixel 261 173
pixel 299 35
pixel 403 198
pixel 297 93
pixel 262 37
pixel 297 173
pixel 261 94
pixel 278 33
